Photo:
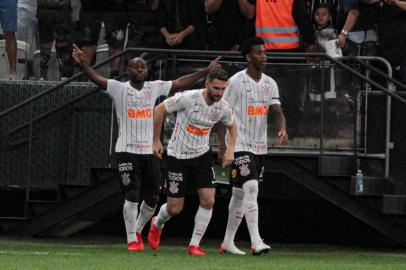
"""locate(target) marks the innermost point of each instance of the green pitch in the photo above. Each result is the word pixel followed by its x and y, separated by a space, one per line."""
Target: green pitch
pixel 91 252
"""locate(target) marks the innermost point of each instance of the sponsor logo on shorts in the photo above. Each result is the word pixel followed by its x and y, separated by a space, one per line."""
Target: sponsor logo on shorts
pixel 125 179
pixel 175 177
pixel 173 187
pixel 125 166
pixel 234 173
pixel 242 160
pixel 244 170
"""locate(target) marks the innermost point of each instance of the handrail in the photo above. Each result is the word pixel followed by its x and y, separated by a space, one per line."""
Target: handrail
pixel 273 55
pixel 379 72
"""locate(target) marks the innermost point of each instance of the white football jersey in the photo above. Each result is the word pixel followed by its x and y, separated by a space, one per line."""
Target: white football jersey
pixel 134 109
pixel 249 101
pixel 194 120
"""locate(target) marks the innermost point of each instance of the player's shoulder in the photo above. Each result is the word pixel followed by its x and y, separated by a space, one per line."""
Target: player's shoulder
pixel 156 83
pixel 194 93
pixel 239 76
pixel 268 80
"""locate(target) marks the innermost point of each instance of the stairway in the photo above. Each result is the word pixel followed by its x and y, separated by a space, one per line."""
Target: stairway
pixel 77 207
pixel 378 206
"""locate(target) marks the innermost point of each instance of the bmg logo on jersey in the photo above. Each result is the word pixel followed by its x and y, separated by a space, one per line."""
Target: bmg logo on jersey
pixel 259 110
pixel 139 113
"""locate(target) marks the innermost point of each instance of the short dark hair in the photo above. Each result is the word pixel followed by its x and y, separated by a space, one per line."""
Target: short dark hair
pixel 326 6
pixel 217 73
pixel 247 45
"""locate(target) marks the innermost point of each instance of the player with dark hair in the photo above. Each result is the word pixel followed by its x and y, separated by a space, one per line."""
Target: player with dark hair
pixel 134 102
pixel 250 94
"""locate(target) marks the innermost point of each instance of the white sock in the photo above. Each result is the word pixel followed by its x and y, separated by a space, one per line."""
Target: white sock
pixel 130 211
pixel 162 217
pixel 251 210
pixel 144 216
pixel 202 219
pixel 235 215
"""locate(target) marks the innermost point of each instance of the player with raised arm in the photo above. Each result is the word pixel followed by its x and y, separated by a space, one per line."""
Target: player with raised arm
pixel 134 103
pixel 251 93
pixel 190 161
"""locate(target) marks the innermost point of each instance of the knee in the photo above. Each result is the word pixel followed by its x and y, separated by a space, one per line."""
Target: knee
pixel 207 203
pixel 250 190
pixel 132 196
pixel 151 200
pixel 174 209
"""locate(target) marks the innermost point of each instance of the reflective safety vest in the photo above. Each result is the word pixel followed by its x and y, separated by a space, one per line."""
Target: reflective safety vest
pixel 275 24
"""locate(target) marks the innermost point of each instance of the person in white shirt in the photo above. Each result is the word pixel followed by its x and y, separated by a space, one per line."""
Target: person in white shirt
pixel 190 160
pixel 251 93
pixel 134 102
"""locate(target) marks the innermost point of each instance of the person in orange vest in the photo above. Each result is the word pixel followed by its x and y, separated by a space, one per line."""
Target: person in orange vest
pixel 283 23
pixel 286 26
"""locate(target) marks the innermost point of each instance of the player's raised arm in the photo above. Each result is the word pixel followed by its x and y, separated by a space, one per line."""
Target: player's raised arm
pixel 159 114
pixel 280 123
pixel 190 79
pixel 229 153
pixel 81 58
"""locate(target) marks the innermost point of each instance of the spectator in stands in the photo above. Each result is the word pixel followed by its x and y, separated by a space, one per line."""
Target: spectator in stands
pixel 27 30
pixel 55 24
pixel 392 35
pixel 183 24
pixel 286 26
pixel 345 14
pixel 112 13
pixel 143 27
pixel 363 36
pixel 8 21
pixel 228 17
pixel 324 32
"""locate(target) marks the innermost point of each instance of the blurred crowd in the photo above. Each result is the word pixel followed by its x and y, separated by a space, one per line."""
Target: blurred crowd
pixel 50 27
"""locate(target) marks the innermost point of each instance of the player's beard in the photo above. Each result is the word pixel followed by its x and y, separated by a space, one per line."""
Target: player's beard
pixel 138 79
pixel 213 98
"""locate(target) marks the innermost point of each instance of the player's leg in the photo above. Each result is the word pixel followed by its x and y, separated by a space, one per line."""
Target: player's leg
pixel 250 204
pixel 204 180
pixel 131 185
pixel 240 170
pixel 172 207
pixel 202 219
pixel 150 189
pixel 175 185
pixel 235 216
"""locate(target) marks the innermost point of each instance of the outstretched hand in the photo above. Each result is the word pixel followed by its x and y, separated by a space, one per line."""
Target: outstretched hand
pixel 283 136
pixel 78 55
pixel 214 64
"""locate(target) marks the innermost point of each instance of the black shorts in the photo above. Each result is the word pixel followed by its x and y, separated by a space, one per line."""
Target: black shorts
pixel 186 174
pixel 54 25
pixel 139 172
pixel 246 166
pixel 115 26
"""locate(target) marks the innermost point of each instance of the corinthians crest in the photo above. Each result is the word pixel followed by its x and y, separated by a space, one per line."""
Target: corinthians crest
pixel 244 170
pixel 173 187
pixel 125 178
